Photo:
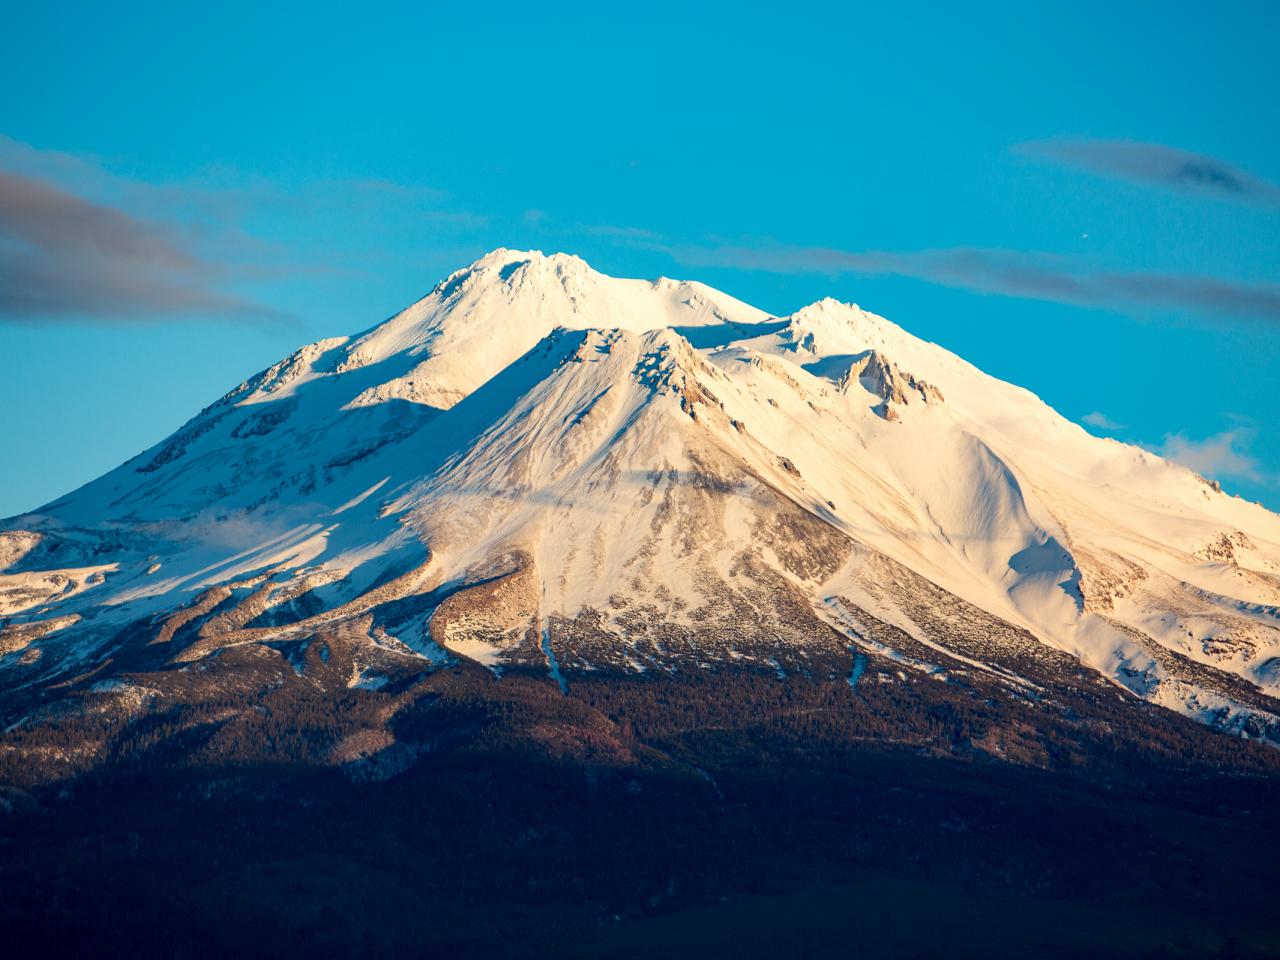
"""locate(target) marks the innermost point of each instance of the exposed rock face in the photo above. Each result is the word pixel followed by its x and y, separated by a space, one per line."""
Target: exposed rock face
pixel 883 378
pixel 1105 580
pixel 495 619
pixel 1223 548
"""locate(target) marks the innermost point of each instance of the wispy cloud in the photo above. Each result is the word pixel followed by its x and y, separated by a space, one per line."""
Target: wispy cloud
pixel 62 256
pixel 1157 165
pixel 1223 455
pixel 79 241
pixel 619 233
pixel 1036 276
pixel 1101 421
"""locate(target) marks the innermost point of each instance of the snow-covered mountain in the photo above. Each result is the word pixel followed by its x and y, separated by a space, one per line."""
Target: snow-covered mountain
pixel 545 469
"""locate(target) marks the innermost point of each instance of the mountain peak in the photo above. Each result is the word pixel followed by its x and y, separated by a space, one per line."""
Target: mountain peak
pixel 502 263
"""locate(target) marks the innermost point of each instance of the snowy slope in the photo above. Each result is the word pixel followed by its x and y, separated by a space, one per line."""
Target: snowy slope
pixel 541 467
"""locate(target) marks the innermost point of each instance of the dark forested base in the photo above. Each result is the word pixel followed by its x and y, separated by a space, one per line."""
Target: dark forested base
pixel 739 816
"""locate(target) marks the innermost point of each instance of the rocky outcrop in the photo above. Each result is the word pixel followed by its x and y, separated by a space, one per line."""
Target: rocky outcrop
pixel 1222 549
pixel 884 378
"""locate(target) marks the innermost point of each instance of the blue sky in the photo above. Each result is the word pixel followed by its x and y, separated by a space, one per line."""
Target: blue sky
pixel 1078 198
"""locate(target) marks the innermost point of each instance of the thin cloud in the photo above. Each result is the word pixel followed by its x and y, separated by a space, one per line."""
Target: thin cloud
pixel 78 241
pixel 400 191
pixel 64 257
pixel 1157 165
pixel 1035 276
pixel 1101 421
pixel 217 194
pixel 619 233
pixel 1224 455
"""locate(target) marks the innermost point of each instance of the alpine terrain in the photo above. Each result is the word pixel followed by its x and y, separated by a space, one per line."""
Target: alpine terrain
pixel 566 604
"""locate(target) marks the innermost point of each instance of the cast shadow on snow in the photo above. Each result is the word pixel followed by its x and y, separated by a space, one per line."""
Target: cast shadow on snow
pixel 834 367
pixel 722 334
pixel 1050 558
